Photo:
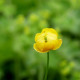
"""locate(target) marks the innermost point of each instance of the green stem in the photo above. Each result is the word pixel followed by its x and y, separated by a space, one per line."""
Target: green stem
pixel 47 66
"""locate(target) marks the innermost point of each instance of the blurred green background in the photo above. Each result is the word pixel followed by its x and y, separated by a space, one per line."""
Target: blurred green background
pixel 20 20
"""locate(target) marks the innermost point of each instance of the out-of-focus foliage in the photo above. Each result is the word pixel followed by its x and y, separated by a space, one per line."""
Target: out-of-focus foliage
pixel 20 20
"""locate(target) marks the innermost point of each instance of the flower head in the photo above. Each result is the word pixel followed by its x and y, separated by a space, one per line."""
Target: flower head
pixel 47 40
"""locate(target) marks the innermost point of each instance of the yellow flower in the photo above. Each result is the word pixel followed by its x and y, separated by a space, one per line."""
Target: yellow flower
pixel 47 40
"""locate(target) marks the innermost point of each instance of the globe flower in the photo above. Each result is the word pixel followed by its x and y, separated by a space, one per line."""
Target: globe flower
pixel 47 40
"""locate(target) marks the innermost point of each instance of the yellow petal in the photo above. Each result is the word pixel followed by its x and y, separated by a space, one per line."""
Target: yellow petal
pixel 50 30
pixel 58 44
pixel 38 48
pixel 36 36
pixel 48 46
pixel 40 37
pixel 50 36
